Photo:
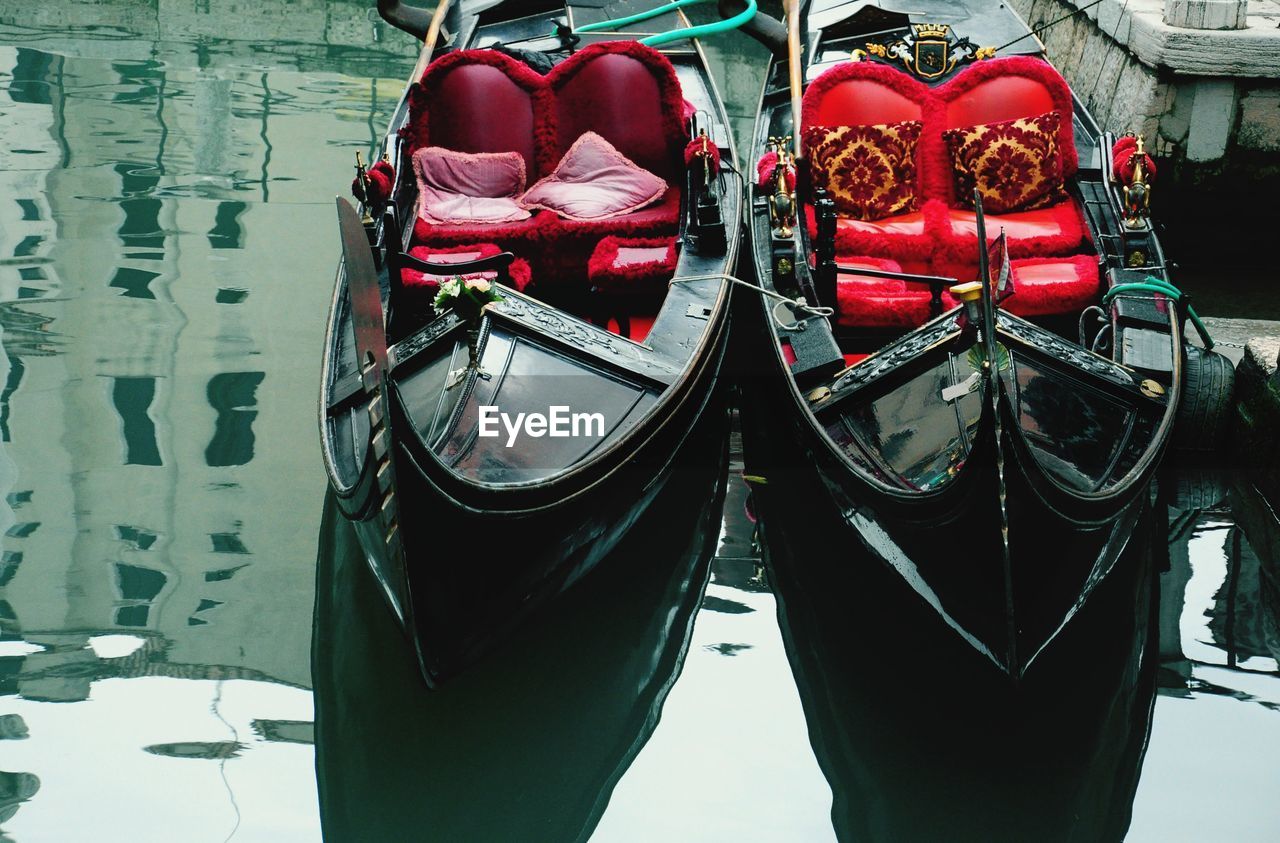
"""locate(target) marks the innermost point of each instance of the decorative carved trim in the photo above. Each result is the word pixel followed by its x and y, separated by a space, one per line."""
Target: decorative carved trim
pixel 891 357
pixel 931 51
pixel 1066 351
pixel 418 341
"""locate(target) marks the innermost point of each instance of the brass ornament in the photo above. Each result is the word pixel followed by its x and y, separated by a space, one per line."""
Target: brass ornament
pixel 1151 388
pixel 929 52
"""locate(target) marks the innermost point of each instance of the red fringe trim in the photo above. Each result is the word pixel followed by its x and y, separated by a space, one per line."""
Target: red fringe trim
pixel 635 277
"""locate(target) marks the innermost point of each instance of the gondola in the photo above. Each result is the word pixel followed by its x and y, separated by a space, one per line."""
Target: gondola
pixel 530 743
pixel 593 305
pixel 982 394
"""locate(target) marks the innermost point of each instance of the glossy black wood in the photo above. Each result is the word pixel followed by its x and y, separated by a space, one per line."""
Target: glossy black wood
pixel 529 744
pixel 1004 520
pixel 917 739
pixel 489 532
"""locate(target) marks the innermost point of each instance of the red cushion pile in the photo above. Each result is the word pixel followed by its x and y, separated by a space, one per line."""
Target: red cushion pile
pixel 484 101
pixel 1002 125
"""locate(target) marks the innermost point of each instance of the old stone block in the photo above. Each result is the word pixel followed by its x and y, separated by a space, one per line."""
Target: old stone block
pixel 1206 14
pixel 1260 120
pixel 1212 116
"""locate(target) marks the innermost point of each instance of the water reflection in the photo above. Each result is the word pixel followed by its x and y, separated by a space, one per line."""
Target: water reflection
pixel 529 743
pixel 161 488
pixel 920 740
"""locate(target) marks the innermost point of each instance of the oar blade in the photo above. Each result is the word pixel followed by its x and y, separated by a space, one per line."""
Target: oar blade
pixel 365 294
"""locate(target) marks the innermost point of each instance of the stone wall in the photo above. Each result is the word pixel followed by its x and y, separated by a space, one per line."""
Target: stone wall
pixel 1207 101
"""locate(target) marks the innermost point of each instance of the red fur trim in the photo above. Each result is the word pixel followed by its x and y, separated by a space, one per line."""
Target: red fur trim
pixel 605 275
pixel 1032 68
pixel 1070 292
pixel 419 285
pixel 766 171
pixel 668 83
pixel 693 151
pixel 961 248
pixel 885 310
pixel 896 80
pixel 933 159
pixel 1122 164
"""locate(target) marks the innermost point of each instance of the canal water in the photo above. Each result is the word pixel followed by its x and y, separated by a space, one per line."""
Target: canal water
pixel 167 233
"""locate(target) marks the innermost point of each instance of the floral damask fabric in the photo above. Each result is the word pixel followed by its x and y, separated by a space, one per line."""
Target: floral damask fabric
pixel 869 171
pixel 1015 164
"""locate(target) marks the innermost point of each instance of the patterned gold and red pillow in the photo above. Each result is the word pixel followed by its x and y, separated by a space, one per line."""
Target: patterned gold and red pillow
pixel 869 171
pixel 1015 164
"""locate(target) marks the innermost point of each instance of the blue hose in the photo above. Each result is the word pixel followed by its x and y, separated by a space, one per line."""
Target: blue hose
pixel 713 28
pixel 1151 284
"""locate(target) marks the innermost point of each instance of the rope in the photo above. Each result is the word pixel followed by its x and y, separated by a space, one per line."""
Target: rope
pixel 1154 285
pixel 1046 26
pixel 814 311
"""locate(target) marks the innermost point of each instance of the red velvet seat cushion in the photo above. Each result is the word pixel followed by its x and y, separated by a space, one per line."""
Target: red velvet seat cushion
pixel 428 285
pixel 513 235
pixel 1013 164
pixel 1056 230
pixel 629 265
pixel 869 171
pixel 908 236
pixel 868 302
pixel 1052 286
pixel 661 217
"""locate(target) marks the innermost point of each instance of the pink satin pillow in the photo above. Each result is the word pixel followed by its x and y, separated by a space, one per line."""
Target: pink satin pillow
pixel 467 187
pixel 594 181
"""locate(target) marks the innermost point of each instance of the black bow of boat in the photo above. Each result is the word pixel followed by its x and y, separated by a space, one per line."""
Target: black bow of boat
pixel 995 464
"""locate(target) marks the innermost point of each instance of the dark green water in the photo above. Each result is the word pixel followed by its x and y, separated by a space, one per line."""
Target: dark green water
pixel 166 226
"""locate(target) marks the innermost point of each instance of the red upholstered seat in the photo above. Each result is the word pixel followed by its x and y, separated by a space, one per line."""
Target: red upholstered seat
pixel 624 91
pixel 861 93
pixel 1056 230
pixel 909 237
pixel 868 302
pixel 632 265
pixel 941 231
pixel 1053 286
pixel 419 282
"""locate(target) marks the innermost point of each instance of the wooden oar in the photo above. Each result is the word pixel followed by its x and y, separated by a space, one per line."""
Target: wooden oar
pixel 795 66
pixel 429 43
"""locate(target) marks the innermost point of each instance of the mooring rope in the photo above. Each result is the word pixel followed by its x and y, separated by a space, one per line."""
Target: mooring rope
pixel 814 311
pixel 1044 27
